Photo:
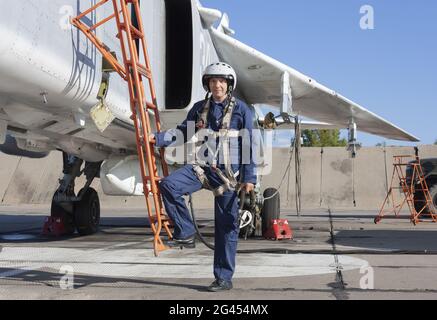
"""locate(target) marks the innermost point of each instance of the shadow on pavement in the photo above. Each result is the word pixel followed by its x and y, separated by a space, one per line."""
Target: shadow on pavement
pixel 400 240
pixel 53 278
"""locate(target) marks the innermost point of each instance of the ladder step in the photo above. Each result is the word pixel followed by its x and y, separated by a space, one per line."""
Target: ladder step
pixel 157 179
pixel 163 219
pixel 136 33
pixel 144 71
pixel 151 106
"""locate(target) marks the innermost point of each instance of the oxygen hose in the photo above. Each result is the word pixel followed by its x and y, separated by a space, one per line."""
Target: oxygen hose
pixel 199 234
pixel 193 216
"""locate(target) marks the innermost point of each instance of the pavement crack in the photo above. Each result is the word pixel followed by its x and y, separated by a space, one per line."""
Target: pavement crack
pixel 339 286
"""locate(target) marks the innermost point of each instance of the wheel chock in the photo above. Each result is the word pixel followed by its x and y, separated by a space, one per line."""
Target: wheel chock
pixel 54 227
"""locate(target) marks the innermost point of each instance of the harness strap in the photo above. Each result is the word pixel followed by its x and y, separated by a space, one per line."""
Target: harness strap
pixel 217 135
pixel 229 184
pixel 200 173
pixel 205 113
pixel 225 134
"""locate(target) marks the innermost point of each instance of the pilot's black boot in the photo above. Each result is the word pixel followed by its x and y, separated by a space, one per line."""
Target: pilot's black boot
pixel 189 243
pixel 220 285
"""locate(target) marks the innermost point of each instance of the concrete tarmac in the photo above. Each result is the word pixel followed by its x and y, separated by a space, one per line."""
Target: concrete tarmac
pixel 335 255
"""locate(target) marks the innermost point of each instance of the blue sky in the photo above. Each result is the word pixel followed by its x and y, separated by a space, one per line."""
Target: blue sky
pixel 391 70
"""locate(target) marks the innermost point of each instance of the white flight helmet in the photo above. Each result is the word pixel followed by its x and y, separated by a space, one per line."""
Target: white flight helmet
pixel 220 70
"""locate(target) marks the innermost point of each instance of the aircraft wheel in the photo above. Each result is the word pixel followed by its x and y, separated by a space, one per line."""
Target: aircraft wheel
pixel 271 209
pixel 87 213
pixel 419 202
pixel 420 196
pixel 433 193
pixel 57 211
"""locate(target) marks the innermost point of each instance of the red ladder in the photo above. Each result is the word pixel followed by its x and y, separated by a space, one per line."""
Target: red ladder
pixel 133 71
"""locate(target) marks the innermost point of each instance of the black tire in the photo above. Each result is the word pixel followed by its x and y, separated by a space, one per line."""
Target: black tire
pixel 421 200
pixel 433 193
pixel 57 211
pixel 271 209
pixel 87 213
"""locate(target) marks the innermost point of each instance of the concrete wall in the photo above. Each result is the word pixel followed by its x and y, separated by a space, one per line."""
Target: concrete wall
pixel 329 179
pixel 332 180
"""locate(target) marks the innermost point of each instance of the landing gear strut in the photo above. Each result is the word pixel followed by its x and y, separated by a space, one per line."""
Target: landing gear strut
pixel 81 211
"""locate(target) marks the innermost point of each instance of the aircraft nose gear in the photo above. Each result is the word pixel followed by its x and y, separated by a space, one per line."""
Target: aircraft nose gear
pixel 81 211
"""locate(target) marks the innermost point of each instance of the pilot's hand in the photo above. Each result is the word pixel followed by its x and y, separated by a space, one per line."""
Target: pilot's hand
pixel 248 187
pixel 152 138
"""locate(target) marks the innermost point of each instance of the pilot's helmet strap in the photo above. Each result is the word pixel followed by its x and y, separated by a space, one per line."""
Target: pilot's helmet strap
pixel 230 88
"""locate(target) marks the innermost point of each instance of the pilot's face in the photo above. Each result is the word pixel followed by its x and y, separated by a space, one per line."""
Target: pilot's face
pixel 219 88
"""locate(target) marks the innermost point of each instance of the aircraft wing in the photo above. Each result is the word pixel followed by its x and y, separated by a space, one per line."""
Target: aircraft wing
pixel 260 82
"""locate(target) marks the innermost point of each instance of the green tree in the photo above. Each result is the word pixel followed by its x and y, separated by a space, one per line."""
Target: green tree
pixel 435 142
pixel 323 138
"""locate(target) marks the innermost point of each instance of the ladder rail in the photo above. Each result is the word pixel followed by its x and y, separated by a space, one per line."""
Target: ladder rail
pixel 151 83
pixel 137 104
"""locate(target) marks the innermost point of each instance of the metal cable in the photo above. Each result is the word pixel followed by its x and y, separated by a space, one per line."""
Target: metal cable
pixel 297 150
pixel 321 175
pixel 289 173
pixel 386 173
pixel 353 183
pixel 283 178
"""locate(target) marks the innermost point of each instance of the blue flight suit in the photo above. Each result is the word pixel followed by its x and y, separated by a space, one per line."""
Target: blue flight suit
pixel 184 182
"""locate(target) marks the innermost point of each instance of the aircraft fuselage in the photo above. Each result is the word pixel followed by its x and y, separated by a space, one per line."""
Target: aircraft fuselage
pixel 51 75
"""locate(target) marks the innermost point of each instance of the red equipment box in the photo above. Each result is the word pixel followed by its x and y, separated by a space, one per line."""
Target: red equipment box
pixel 279 230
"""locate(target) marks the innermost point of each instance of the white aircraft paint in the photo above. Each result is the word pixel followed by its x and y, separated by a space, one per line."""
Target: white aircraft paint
pixel 172 264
